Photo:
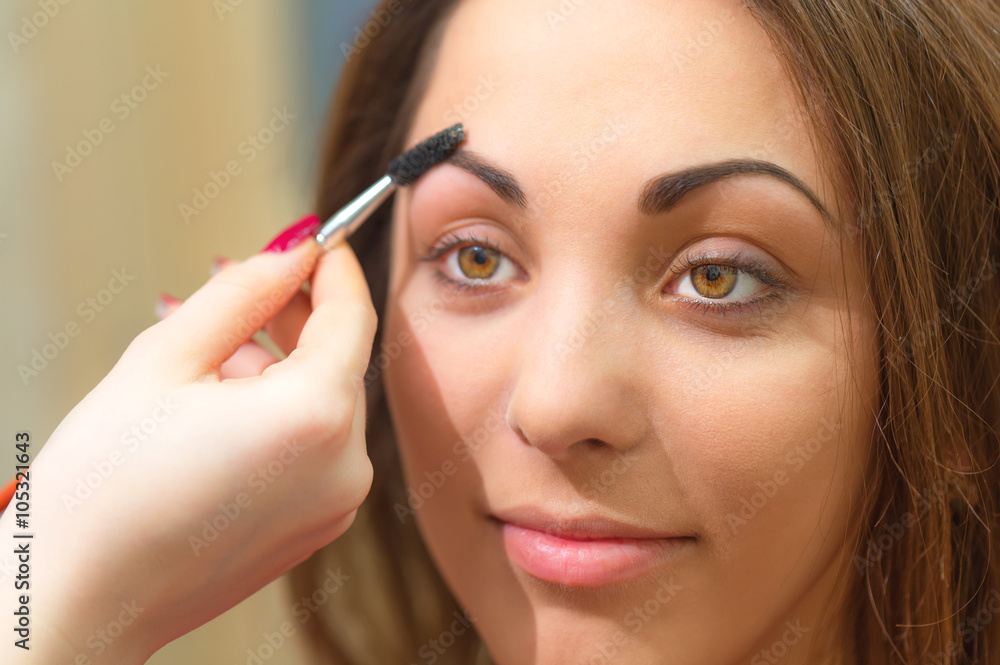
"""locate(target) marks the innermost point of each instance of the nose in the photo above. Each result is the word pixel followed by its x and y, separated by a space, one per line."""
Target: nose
pixel 579 380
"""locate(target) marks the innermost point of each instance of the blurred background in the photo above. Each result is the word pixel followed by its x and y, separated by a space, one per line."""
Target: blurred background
pixel 118 121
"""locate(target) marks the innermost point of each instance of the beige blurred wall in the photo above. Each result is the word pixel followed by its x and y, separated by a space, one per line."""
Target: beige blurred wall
pixel 63 235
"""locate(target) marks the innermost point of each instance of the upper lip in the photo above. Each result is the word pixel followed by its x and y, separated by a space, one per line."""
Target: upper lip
pixel 581 526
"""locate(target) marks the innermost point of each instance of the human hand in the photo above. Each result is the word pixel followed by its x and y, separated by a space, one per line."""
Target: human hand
pixel 192 476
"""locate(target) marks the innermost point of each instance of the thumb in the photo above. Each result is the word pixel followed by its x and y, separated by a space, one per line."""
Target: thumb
pixel 232 306
pixel 336 341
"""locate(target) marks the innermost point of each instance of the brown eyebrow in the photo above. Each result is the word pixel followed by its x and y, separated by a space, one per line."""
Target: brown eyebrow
pixel 500 181
pixel 663 192
pixel 658 195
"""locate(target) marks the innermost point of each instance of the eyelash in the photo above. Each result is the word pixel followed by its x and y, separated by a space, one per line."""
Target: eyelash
pixel 453 241
pixel 736 261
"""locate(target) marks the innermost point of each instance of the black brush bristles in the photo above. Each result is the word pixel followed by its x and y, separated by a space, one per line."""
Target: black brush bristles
pixel 418 160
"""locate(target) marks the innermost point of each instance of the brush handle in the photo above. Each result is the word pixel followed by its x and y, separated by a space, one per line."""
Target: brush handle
pixel 350 217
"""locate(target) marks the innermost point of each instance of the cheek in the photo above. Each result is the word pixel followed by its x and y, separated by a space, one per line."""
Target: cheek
pixel 774 441
pixel 445 389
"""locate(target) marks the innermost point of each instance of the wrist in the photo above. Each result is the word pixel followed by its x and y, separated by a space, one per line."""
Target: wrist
pixel 61 614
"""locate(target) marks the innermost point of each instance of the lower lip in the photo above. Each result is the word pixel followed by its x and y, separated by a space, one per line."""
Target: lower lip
pixel 585 563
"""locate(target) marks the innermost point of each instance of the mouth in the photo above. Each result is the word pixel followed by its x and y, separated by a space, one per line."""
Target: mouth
pixel 589 551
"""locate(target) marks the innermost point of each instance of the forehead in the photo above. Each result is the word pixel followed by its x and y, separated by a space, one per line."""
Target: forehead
pixel 629 88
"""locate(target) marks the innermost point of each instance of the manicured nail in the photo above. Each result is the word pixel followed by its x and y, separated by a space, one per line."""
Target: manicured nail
pixel 294 234
pixel 218 263
pixel 163 302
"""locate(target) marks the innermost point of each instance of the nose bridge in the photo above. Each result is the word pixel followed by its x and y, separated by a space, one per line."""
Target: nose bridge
pixel 577 378
pixel 591 323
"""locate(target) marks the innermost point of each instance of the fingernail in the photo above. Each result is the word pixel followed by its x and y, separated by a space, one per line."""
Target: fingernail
pixel 294 234
pixel 217 264
pixel 163 302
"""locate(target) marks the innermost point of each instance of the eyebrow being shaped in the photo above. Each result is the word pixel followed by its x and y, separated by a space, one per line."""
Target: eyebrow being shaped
pixel 501 182
pixel 658 195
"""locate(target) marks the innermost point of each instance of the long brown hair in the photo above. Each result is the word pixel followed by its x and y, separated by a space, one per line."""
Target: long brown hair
pixel 906 96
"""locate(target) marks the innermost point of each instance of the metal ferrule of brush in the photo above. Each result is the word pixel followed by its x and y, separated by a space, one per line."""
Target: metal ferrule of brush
pixel 351 216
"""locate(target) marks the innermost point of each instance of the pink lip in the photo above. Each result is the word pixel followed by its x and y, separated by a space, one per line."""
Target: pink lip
pixel 586 553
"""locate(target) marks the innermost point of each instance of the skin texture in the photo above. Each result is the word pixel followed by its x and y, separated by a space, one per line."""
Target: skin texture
pixel 137 548
pixel 586 377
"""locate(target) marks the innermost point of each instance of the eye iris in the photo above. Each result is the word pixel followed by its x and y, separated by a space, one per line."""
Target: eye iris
pixel 714 281
pixel 478 262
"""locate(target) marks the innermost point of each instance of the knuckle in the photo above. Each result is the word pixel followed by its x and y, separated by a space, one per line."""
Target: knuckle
pixel 338 423
pixel 327 420
pixel 357 482
pixel 340 525
pixel 143 344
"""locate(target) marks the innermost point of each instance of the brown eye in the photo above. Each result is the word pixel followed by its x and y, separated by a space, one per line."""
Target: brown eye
pixel 713 280
pixel 478 262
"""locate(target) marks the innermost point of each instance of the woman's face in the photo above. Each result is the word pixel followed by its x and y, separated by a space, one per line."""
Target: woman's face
pixel 622 384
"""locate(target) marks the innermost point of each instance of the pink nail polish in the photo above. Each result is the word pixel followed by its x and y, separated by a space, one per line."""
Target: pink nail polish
pixel 294 234
pixel 218 263
pixel 163 302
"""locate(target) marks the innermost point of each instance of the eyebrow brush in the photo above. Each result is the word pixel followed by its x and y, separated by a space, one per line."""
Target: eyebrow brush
pixel 402 171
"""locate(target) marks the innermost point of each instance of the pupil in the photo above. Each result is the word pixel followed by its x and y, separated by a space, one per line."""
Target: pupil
pixel 713 273
pixel 480 257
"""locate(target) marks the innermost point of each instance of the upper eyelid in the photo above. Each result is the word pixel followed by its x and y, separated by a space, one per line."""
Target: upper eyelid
pixel 741 260
pixel 736 260
pixel 772 272
pixel 436 250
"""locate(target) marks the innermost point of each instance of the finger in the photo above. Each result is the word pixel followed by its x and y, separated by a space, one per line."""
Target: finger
pixel 285 327
pixel 166 305
pixel 251 359
pixel 336 340
pixel 232 306
pixel 219 264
